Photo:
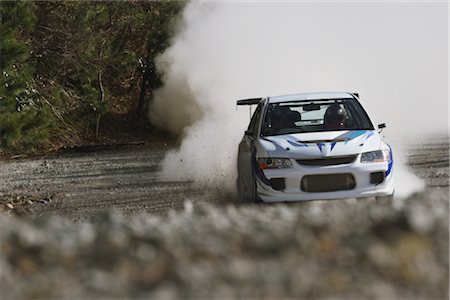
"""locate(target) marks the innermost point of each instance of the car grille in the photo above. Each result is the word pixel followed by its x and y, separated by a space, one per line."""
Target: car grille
pixel 327 183
pixel 329 161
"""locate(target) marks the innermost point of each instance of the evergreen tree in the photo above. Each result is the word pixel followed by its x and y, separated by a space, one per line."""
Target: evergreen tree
pixel 24 120
pixel 68 67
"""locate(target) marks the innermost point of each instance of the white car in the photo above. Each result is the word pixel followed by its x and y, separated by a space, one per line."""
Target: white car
pixel 310 147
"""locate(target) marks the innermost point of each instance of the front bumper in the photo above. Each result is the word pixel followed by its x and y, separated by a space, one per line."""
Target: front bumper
pixel 293 176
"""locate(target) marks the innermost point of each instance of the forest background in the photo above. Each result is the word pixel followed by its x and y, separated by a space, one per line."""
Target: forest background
pixel 80 73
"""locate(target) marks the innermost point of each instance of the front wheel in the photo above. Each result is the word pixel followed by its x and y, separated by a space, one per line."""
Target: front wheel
pixel 253 192
pixel 241 189
pixel 247 190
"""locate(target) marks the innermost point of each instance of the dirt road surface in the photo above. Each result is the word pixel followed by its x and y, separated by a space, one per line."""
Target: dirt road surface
pixel 59 239
pixel 85 185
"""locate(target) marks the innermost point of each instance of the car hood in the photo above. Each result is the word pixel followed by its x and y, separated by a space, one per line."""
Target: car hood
pixel 319 144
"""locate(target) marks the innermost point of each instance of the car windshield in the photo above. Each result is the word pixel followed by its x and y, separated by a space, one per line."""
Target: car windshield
pixel 314 116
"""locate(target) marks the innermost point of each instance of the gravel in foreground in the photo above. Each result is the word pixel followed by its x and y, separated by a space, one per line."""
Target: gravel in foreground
pixel 348 249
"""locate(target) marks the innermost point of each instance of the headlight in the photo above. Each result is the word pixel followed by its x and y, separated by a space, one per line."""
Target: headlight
pixel 376 156
pixel 274 163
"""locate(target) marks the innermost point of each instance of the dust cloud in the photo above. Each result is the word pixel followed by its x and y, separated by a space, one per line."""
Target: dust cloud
pixel 393 54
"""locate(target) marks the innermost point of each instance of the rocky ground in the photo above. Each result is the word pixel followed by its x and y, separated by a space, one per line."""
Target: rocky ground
pixel 86 185
pixel 59 239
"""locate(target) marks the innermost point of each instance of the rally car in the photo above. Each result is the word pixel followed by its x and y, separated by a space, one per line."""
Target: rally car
pixel 310 147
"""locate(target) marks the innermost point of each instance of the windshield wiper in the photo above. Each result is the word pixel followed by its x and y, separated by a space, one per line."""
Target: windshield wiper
pixel 360 129
pixel 289 132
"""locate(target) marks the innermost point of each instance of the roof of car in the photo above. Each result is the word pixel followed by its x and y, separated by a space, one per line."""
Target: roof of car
pixel 310 96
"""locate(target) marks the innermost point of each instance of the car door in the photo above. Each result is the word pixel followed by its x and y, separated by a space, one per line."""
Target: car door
pixel 247 151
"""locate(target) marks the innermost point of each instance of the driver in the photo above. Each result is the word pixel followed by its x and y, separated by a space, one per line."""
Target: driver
pixel 284 118
pixel 335 117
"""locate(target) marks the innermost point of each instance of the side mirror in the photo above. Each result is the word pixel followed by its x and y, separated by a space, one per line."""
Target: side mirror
pixel 248 132
pixel 382 125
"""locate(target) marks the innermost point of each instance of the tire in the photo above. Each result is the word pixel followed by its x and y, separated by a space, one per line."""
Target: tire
pixel 253 194
pixel 240 187
pixel 248 194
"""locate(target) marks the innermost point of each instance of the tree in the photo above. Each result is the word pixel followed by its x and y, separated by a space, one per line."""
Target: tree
pixel 104 52
pixel 24 120
pixel 70 67
pixel 162 19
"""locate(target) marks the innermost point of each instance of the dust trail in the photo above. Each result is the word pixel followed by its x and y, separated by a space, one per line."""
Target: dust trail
pixel 393 54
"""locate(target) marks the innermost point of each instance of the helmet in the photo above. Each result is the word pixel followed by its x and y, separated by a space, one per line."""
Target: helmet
pixel 283 117
pixel 335 117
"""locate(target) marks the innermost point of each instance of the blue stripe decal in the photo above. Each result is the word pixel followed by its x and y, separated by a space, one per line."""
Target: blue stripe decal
pixel 273 142
pixel 354 134
pixel 277 146
pixel 332 145
pixel 391 162
pixel 349 135
pixel 320 145
pixel 369 135
pixel 295 144
pixel 291 140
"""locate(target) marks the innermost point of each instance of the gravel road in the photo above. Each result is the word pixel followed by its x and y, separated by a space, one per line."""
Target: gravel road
pixel 59 239
pixel 87 185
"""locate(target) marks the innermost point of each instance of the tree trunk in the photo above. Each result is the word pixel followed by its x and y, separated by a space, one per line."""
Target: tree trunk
pixel 142 104
pixel 102 98
pixel 101 89
pixel 147 78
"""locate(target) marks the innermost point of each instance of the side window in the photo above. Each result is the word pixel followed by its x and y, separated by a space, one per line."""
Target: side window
pixel 253 126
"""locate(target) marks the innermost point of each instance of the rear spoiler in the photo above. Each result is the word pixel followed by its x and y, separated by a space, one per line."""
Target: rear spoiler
pixel 251 101
pixel 356 94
